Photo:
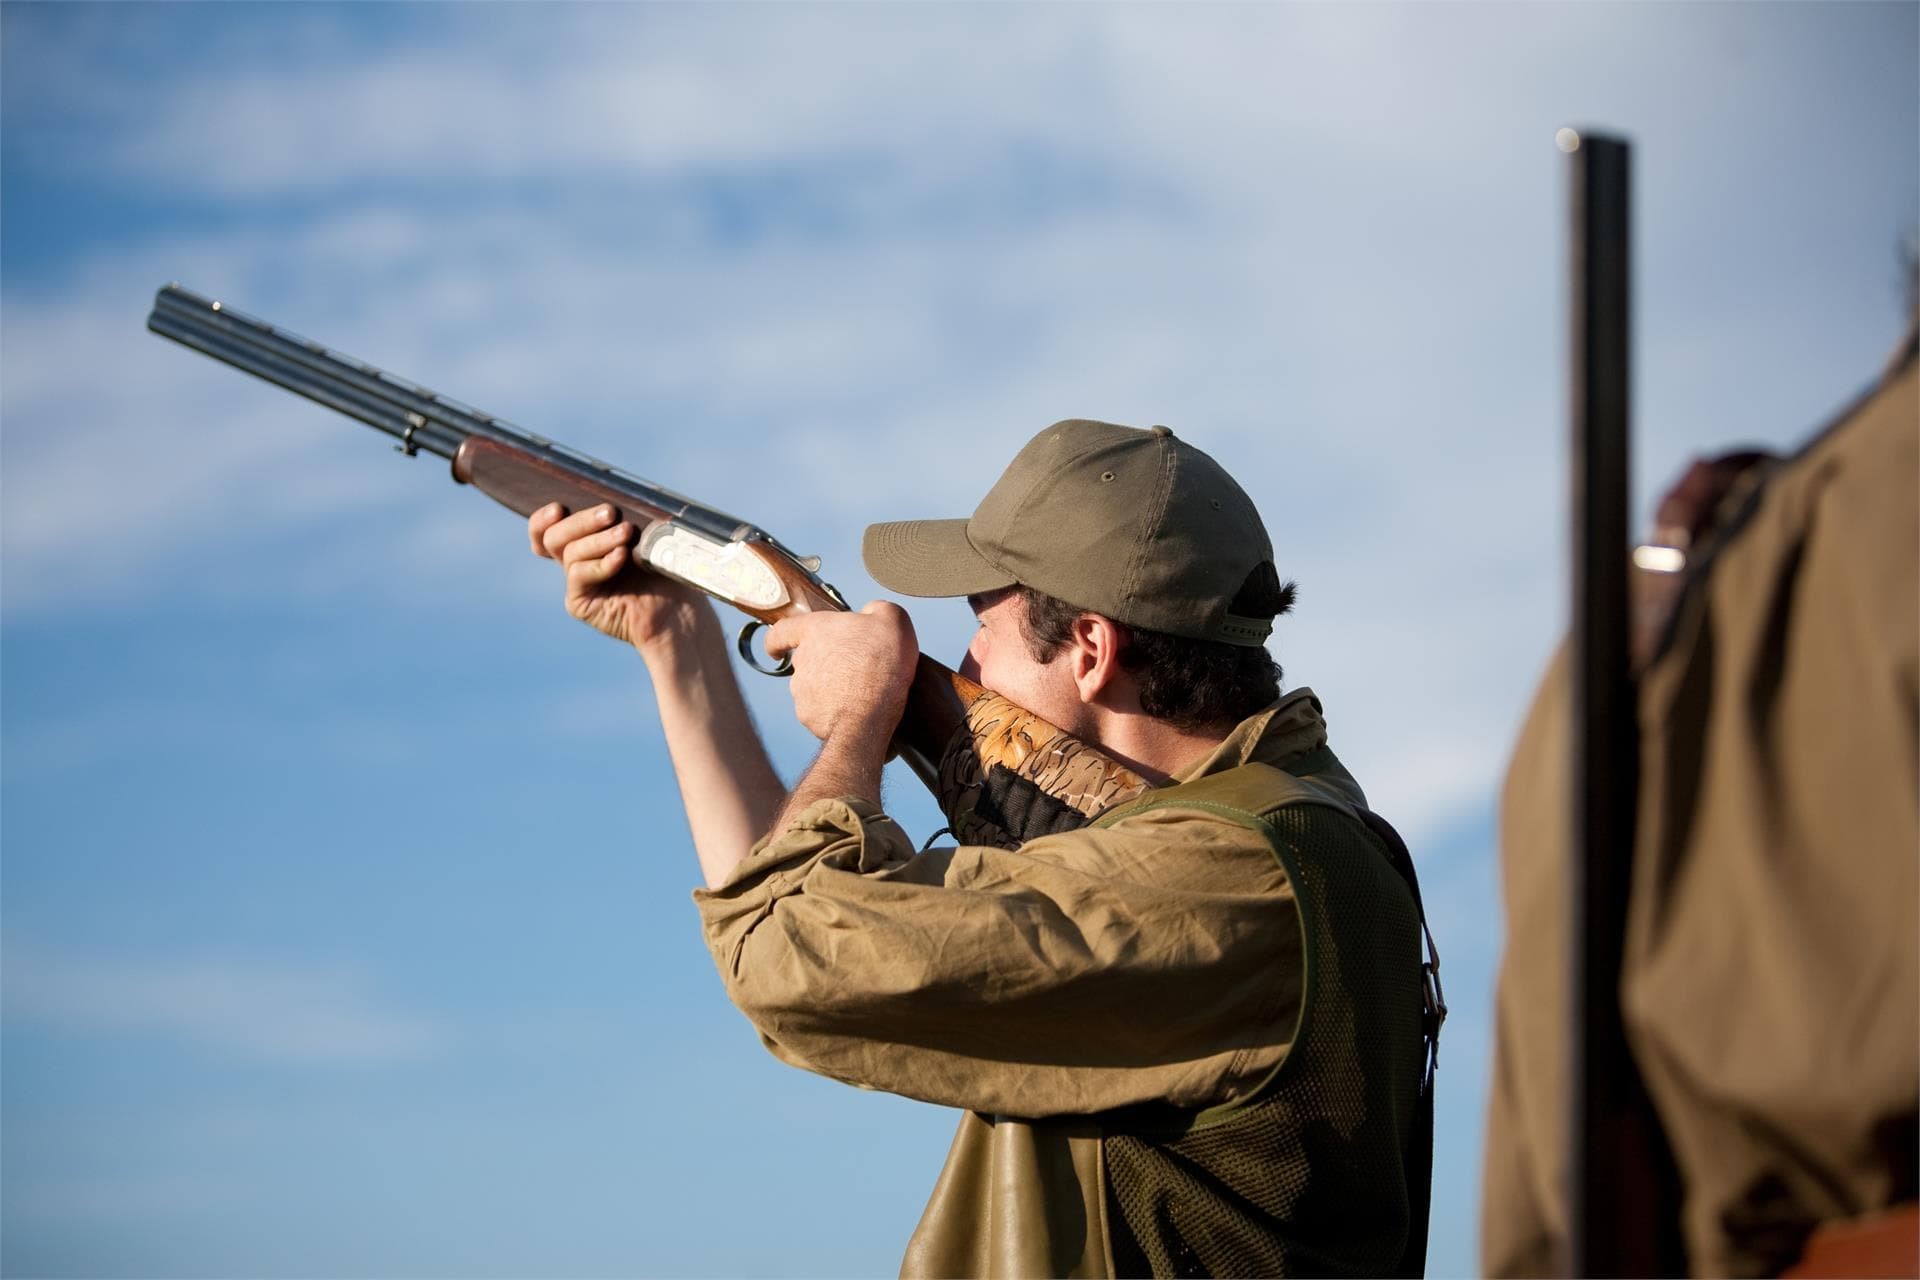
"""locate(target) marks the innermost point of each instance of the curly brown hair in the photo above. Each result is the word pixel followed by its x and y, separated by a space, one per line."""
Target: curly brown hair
pixel 1194 685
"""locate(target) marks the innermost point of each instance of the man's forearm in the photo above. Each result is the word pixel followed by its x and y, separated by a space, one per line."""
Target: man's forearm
pixel 727 783
pixel 848 767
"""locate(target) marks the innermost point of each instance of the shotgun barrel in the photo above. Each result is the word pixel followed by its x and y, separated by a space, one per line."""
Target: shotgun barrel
pixel 417 417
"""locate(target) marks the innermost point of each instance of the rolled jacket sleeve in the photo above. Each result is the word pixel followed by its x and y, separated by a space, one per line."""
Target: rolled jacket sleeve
pixel 1157 960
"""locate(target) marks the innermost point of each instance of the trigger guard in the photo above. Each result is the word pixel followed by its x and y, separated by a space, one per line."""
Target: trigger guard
pixel 745 645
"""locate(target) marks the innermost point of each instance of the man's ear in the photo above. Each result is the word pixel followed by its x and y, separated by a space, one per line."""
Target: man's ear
pixel 1093 652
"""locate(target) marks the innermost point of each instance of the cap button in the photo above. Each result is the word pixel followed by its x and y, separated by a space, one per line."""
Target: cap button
pixel 1160 431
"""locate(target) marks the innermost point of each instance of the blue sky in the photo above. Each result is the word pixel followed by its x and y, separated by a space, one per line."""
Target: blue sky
pixel 345 913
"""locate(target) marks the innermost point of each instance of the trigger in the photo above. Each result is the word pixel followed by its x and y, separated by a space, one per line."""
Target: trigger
pixel 747 654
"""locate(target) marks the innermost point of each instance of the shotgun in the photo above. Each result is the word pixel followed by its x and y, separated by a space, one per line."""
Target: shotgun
pixel 1001 775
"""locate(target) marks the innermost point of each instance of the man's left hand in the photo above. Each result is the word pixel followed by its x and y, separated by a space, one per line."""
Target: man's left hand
pixel 851 671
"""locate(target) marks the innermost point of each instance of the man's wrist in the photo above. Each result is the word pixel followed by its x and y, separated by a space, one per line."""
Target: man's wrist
pixel 678 648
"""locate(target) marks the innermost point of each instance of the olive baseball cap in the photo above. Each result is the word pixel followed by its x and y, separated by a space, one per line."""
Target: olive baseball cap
pixel 1137 525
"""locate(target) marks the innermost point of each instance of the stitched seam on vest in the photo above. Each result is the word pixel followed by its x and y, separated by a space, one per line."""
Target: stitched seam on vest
pixel 1309 930
pixel 1107 1267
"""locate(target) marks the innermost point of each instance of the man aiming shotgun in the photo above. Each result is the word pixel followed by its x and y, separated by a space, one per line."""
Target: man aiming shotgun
pixel 1172 967
pixel 1189 1037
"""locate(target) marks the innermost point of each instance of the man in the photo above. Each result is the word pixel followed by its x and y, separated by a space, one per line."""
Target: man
pixel 1770 985
pixel 1189 1036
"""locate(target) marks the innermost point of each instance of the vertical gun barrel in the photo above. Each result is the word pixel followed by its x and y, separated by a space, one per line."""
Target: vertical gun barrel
pixel 1617 1158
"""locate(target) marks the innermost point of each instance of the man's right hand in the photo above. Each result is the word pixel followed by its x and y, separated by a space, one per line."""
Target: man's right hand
pixel 605 587
pixel 727 783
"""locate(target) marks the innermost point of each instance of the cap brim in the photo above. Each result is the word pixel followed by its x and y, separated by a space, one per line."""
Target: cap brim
pixel 929 558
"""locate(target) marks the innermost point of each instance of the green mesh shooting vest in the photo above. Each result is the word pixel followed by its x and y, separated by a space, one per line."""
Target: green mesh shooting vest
pixel 1308 1174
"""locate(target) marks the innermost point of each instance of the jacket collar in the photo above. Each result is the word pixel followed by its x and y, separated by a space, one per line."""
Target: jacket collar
pixel 1292 735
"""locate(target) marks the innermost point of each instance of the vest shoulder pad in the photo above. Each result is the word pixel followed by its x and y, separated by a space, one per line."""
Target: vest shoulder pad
pixel 1254 790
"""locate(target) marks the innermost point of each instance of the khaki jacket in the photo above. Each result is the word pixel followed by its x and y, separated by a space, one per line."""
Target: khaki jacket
pixel 1156 959
pixel 1771 979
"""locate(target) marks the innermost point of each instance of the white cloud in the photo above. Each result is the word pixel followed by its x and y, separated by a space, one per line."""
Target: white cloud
pixel 1213 98
pixel 284 1013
